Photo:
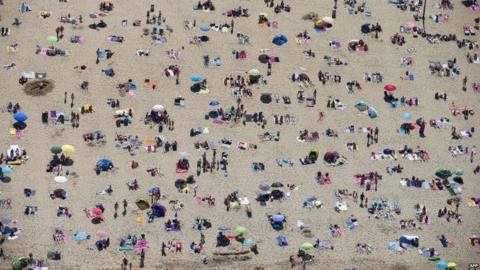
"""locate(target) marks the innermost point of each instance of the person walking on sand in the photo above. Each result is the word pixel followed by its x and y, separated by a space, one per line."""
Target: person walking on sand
pixel 72 96
pixel 125 204
pixel 231 27
pixel 124 264
pixel 421 131
pixel 164 254
pixel 65 99
pixel 375 136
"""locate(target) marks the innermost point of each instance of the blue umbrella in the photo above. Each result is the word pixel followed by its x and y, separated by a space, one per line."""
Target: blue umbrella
pixel 204 27
pixel 214 103
pixel 6 170
pixel 407 116
pixel 279 39
pixel 20 116
pixel 442 265
pixel 278 218
pixel 264 187
pixel 196 78
pixel 104 163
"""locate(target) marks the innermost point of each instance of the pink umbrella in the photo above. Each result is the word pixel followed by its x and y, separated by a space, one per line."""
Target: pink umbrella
pixel 97 211
pixel 390 87
pixel 102 234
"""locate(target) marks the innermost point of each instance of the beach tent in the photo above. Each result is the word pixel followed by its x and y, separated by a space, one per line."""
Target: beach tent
pixel 372 112
pixel 361 106
pixel 142 204
pixel 205 27
pixel 20 116
pixel 279 39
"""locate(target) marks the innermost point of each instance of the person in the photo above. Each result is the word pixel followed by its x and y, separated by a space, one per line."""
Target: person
pixel 31 262
pixel 124 263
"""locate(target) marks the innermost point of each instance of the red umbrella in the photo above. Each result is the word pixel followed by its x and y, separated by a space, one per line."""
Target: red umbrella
pixel 390 87
pixel 97 211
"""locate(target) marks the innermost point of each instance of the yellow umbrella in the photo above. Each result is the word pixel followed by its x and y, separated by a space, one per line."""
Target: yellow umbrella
pixel 253 72
pixel 451 265
pixel 68 149
pixel 263 14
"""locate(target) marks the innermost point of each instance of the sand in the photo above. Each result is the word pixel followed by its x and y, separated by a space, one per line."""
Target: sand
pixel 382 57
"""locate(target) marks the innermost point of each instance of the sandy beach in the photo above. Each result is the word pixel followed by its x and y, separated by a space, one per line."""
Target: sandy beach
pixel 84 184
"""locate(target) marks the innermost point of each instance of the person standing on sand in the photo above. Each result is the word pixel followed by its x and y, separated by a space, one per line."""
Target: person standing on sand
pixel 125 204
pixel 65 99
pixel 124 264
pixel 231 27
pixel 142 259
pixel 464 85
pixel 375 137
pixel 421 131
pixel 72 96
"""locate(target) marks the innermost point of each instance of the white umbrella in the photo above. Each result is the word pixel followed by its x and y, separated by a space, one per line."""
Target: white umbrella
pixel 158 108
pixel 184 154
pixel 60 179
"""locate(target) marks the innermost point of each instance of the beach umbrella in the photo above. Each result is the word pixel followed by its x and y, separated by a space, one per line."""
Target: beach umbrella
pixel 196 78
pixel 223 227
pixel 263 58
pixel 19 125
pixel 204 38
pixel 184 154
pixel 443 173
pixel 158 108
pixel 365 28
pixel 279 39
pixel 104 164
pixel 266 98
pixel 60 179
pixel 328 20
pixel 142 204
pixel 331 156
pixel 451 265
pixel 101 234
pixel 458 172
pixel 442 265
pixel 204 27
pixel 240 230
pixel 52 39
pixel 20 116
pixel 56 149
pixel 264 187
pixel 390 87
pixel 6 170
pixel 307 246
pixel 20 263
pixel 361 106
pixel 214 103
pixel 253 72
pixel 213 114
pixel 97 211
pixel 180 183
pixel 277 185
pixel 278 218
pixel 68 149
pixel 5 179
pixel 407 116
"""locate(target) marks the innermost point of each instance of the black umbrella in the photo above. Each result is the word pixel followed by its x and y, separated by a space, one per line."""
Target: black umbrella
pixel 180 183
pixel 213 114
pixel 263 58
pixel 277 185
pixel 195 88
pixel 5 179
pixel 276 194
pixel 266 98
pixel 263 197
pixel 204 38
pixel 19 125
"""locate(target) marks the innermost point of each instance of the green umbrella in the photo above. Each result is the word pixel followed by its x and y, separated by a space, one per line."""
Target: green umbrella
pixel 56 149
pixel 52 39
pixel 458 172
pixel 19 263
pixel 240 230
pixel 142 204
pixel 443 173
pixel 307 246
